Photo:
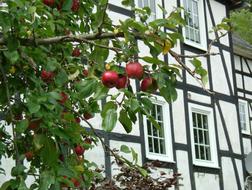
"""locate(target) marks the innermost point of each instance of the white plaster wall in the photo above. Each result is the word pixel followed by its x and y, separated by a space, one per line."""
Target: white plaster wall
pixel 218 75
pixel 248 83
pixel 116 17
pixel 219 12
pixel 246 145
pixel 189 78
pixel 230 116
pixel 183 168
pixel 248 96
pixel 240 94
pixel 245 66
pixel 237 62
pixel 118 3
pixel 221 135
pixel 240 171
pixel 199 98
pixel 178 112
pixel 228 173
pixel 117 144
pixel 202 181
pixel 227 57
pixel 96 155
pixel 239 80
pixel 170 5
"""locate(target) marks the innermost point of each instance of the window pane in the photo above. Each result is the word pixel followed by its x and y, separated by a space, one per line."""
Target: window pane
pixel 206 137
pixel 150 144
pixel 197 152
pixel 208 153
pixel 156 148
pixel 195 132
pixel 201 136
pixel 149 128
pixel 156 138
pixel 162 146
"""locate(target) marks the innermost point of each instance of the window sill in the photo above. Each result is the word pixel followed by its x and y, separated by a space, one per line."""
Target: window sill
pixel 206 165
pixel 202 47
pixel 160 158
pixel 246 133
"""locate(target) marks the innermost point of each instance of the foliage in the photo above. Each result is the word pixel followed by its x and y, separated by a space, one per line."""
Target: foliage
pixel 52 57
pixel 241 19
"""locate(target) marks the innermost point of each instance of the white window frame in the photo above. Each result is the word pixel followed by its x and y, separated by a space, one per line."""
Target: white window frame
pixel 244 102
pixel 168 157
pixel 202 28
pixel 213 163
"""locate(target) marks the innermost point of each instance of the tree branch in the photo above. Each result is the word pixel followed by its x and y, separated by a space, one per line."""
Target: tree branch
pixel 66 38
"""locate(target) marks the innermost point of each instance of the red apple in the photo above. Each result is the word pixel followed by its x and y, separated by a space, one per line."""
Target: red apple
pixel 122 82
pixel 134 70
pixel 110 78
pixel 75 182
pixel 64 97
pixel 49 3
pixel 79 150
pixel 29 155
pixel 76 52
pixel 77 120
pixel 85 72
pixel 46 76
pixel 148 84
pixel 88 115
pixel 75 5
pixel 34 124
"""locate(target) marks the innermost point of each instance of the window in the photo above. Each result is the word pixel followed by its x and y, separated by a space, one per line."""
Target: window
pixel 203 136
pixel 151 4
pixel 194 31
pixel 243 113
pixel 158 143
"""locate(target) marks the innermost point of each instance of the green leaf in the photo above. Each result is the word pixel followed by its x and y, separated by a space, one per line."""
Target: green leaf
pixel 12 44
pixel 47 178
pixel 39 141
pixel 146 103
pixel 86 87
pixel 101 92
pixel 134 155
pixel 125 149
pixel 169 93
pixel 61 78
pixel 13 56
pixel 49 148
pixel 196 62
pixel 107 106
pixel 152 60
pixel 22 185
pixel 109 120
pixel 67 5
pixel 143 172
pixel 21 126
pixel 18 170
pixel 32 10
pixel 125 121
pixel 33 106
pixel 127 2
